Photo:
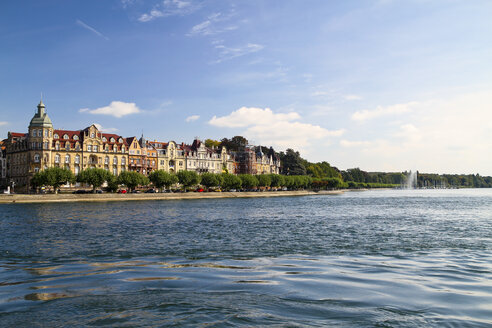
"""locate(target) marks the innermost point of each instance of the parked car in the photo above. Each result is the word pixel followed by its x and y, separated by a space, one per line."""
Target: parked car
pixel 122 191
pixel 80 192
pixel 151 191
pixel 199 190
pixel 136 191
pixel 99 191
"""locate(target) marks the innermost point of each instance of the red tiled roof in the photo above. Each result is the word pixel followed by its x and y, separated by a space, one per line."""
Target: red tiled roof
pixel 17 134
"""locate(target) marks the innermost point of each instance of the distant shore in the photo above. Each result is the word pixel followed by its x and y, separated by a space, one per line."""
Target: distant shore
pixel 61 198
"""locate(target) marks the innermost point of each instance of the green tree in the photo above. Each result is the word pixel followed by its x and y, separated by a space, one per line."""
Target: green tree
pixel 248 181
pixel 235 143
pixel 132 179
pixel 210 143
pixel 112 184
pixel 292 163
pixel 161 178
pixel 188 178
pixel 54 177
pixel 230 181
pixel 264 180
pixel 95 177
pixel 210 180
pixel 277 180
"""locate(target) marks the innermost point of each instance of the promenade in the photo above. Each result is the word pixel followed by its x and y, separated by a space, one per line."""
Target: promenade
pixel 60 198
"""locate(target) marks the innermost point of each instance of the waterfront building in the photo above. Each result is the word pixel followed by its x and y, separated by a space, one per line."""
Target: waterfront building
pixel 170 156
pixel 3 165
pixel 43 147
pixel 267 163
pixel 200 158
pixel 246 160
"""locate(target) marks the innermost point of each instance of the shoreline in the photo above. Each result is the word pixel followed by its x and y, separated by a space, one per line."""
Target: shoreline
pixel 64 198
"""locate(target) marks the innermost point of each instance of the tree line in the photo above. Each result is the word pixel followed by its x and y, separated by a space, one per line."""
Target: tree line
pixel 55 177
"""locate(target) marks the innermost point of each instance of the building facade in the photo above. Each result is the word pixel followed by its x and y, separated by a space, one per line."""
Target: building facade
pixel 170 156
pixel 43 147
pixel 200 159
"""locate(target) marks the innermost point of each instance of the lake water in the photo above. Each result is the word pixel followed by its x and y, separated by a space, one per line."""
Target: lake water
pixel 391 258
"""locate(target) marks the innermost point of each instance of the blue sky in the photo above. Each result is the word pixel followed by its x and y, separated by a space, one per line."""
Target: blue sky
pixel 381 85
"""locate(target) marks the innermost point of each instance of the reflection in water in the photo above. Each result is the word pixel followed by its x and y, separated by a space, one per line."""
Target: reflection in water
pixel 387 258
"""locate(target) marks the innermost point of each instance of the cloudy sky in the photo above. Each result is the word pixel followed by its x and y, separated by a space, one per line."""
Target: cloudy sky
pixel 381 85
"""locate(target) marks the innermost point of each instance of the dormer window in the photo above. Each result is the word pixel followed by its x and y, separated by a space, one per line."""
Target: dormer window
pixel 93 135
pixel 55 136
pixel 112 139
pixel 75 137
pixel 120 140
pixel 65 136
pixel 104 139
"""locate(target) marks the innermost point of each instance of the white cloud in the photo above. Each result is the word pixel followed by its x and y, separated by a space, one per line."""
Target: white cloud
pixel 90 28
pixel 227 53
pixel 213 25
pixel 246 116
pixel 192 118
pixel 352 97
pixel 3 123
pixel 383 111
pixel 103 129
pixel 116 108
pixel 348 143
pixel 448 135
pixel 169 8
pixel 277 129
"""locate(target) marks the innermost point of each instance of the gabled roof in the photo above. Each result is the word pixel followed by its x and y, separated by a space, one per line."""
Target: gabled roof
pixel 18 134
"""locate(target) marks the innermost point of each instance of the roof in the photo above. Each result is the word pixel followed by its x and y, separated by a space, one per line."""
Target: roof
pixel 18 134
pixel 41 118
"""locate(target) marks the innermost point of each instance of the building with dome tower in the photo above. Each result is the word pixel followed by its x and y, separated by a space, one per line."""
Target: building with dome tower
pixel 43 147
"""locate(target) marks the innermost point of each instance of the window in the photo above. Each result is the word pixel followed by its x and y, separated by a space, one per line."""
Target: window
pixel 36 158
pixel 122 149
pixel 65 136
pixel 120 140
pixel 89 147
pixel 107 148
pixel 45 133
pixel 75 137
pixel 106 160
pixel 112 139
pixel 138 152
pixel 77 159
pixel 55 136
pixel 67 146
pixel 94 149
pixel 93 135
pixel 123 161
pixel 123 168
pixel 115 160
pixel 36 169
pixel 77 169
pixel 34 133
pixel 57 146
pixel 115 171
pixel 180 163
pixel 77 146
pixel 67 158
pixel 104 139
pixel 40 133
pixel 57 158
pixel 45 145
